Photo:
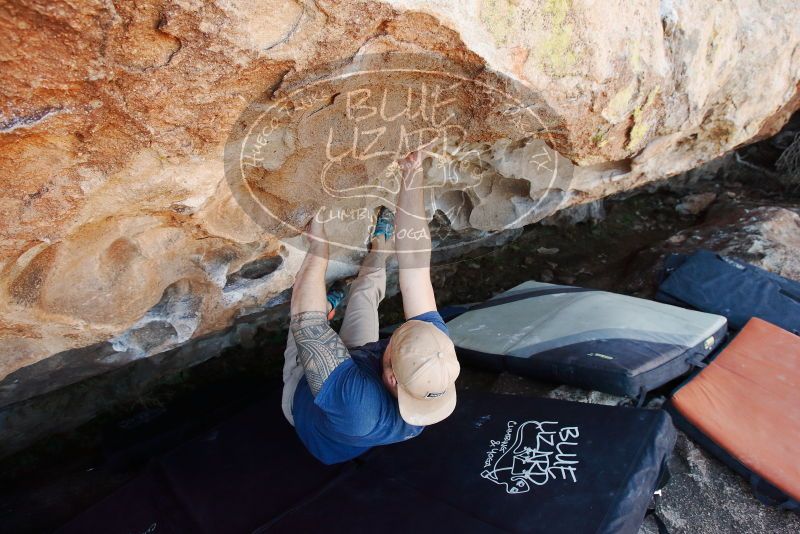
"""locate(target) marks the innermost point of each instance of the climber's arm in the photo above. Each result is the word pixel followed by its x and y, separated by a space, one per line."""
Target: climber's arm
pixel 319 348
pixel 308 292
pixel 413 240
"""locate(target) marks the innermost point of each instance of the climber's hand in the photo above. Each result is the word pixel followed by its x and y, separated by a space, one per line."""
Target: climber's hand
pixel 315 234
pixel 316 228
pixel 411 171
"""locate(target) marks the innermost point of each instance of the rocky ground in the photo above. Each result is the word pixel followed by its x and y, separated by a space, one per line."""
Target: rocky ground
pixel 617 246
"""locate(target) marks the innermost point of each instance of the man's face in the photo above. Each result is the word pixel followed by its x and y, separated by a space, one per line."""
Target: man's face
pixel 389 380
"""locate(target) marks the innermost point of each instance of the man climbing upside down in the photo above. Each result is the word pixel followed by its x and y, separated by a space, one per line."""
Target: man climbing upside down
pixel 349 392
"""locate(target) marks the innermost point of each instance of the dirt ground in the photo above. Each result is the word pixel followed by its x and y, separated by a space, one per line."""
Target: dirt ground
pixel 45 485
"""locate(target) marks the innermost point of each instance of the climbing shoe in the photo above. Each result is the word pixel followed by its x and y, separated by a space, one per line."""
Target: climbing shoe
pixel 385 224
pixel 335 297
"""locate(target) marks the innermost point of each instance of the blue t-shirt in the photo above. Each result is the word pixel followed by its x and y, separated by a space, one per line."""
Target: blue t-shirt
pixel 353 411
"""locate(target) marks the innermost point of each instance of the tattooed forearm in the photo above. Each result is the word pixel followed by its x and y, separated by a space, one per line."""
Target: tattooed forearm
pixel 319 348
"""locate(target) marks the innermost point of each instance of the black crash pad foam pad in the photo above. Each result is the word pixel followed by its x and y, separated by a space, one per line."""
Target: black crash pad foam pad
pixel 510 463
pixel 143 505
pixel 231 479
pixel 499 463
pixel 364 501
pixel 245 471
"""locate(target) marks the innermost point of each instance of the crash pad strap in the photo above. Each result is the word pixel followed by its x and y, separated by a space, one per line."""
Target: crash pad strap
pixel 523 295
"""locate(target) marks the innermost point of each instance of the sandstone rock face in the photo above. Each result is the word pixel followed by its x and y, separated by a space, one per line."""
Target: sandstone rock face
pixel 124 220
pixel 765 236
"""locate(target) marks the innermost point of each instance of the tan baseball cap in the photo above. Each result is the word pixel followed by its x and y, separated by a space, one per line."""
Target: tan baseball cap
pixel 425 365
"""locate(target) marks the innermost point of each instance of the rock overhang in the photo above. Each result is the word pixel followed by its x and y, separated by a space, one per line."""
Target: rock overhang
pixel 120 223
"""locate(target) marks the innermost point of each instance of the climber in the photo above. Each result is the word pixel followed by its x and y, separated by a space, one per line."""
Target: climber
pixel 349 392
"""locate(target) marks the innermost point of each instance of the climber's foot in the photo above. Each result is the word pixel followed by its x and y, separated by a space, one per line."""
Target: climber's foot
pixel 335 297
pixel 384 225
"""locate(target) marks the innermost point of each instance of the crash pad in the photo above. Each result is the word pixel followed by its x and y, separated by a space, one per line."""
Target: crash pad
pixel 498 464
pixel 231 478
pixel 713 283
pixel 745 408
pixel 589 338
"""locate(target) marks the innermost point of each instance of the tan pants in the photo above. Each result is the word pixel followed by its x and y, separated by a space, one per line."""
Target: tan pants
pixel 360 326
